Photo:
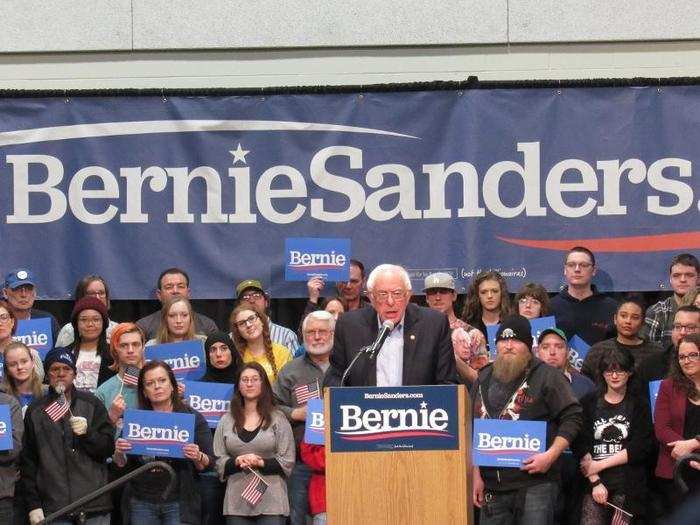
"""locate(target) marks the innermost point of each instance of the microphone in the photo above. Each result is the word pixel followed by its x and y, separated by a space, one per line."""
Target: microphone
pixel 386 328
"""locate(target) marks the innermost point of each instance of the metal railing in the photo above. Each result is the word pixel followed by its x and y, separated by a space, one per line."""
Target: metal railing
pixel 110 487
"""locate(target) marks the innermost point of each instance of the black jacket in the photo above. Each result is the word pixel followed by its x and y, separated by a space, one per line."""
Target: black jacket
pixel 428 358
pixel 591 319
pixel 59 467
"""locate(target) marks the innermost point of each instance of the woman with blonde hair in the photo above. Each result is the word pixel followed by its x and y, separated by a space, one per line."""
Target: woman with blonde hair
pixel 176 323
pixel 251 333
pixel 21 379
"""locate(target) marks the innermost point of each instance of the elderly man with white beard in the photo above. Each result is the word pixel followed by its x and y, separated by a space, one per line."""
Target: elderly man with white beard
pixel 518 386
pixel 300 380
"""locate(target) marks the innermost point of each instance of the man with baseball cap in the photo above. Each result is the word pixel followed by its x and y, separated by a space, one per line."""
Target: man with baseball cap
pixel 440 295
pixel 20 291
pixel 518 386
pixel 67 440
pixel 251 292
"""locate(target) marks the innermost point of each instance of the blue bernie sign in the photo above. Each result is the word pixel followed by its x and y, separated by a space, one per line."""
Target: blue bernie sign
pixel 578 350
pixel 366 419
pixel 212 400
pixel 161 434
pixel 36 334
pixel 504 443
pixel 314 430
pixel 311 257
pixel 5 428
pixel 186 358
pixel 653 394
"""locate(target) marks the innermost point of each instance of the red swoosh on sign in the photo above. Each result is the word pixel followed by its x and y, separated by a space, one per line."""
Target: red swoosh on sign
pixel 641 243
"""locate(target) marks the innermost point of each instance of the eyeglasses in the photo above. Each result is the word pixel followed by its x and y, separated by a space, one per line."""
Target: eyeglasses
pixel 529 300
pixel 89 320
pixel 582 265
pixel 615 371
pixel 97 293
pixel 396 295
pixel 5 318
pixel 687 328
pixel 250 380
pixel 317 333
pixel 691 357
pixel 247 321
pixel 251 296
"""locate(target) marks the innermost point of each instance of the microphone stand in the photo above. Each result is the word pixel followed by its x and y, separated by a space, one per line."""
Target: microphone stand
pixel 362 351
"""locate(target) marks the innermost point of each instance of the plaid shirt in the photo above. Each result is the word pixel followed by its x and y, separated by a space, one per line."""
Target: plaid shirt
pixel 658 323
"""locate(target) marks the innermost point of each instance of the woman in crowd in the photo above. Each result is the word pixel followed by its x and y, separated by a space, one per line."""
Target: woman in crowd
pixel 336 306
pixel 532 301
pixel 8 326
pixel 615 440
pixel 90 349
pixel 677 418
pixel 251 333
pixel 21 379
pixel 223 362
pixel 692 297
pixel 10 500
pixel 487 301
pixel 254 439
pixel 176 323
pixel 157 391
pixel 89 286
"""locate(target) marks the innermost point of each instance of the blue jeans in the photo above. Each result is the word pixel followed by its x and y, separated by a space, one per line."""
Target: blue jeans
pixel 538 504
pixel 147 513
pixel 101 519
pixel 212 491
pixel 298 488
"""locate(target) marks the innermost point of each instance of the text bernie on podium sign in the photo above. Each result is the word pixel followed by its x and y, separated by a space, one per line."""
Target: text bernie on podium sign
pixel 394 418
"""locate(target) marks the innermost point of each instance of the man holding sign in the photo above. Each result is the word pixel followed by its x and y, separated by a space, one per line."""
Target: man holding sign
pixel 519 387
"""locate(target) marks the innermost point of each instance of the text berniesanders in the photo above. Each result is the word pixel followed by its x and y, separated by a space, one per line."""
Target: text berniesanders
pixel 572 188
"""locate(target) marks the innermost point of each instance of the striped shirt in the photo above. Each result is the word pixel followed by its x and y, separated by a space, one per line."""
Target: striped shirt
pixel 285 337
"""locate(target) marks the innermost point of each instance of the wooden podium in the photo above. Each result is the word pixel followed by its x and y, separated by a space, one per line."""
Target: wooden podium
pixel 402 485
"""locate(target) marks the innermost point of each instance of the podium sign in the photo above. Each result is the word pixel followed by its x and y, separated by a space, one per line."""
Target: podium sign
pixel 394 418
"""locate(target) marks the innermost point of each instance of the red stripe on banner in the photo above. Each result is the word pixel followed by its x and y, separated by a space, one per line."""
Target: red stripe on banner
pixel 397 434
pixel 640 243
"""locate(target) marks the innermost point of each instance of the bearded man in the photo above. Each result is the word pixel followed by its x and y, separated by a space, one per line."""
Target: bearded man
pixel 518 386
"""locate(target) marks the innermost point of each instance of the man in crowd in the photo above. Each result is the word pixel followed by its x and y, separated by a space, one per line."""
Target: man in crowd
pixel 251 292
pixel 20 292
pixel 440 295
pixel 579 309
pixel 174 282
pixel 686 321
pixel 350 291
pixel 683 276
pixel 67 440
pixel 418 350
pixel 628 319
pixel 299 381
pixel 518 386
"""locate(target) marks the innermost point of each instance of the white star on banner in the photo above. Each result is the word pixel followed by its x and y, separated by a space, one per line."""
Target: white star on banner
pixel 424 405
pixel 239 154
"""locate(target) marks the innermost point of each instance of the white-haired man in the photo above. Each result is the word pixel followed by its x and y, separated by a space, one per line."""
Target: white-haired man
pixel 418 351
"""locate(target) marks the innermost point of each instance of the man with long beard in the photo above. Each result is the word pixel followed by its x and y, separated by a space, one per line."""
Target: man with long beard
pixel 518 386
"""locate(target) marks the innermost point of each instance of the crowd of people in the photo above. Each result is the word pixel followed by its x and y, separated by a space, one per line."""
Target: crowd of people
pixel 611 447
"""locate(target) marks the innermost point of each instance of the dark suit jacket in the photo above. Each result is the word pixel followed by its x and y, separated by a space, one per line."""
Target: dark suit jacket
pixel 428 358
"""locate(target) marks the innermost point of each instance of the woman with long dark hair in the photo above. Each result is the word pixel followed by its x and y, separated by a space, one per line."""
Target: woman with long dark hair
pixel 251 334
pixel 487 301
pixel 615 440
pixel 254 442
pixel 677 417
pixel 157 391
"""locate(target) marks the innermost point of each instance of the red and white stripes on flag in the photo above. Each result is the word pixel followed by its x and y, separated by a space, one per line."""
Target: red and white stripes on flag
pixel 131 376
pixel 308 391
pixel 58 408
pixel 254 489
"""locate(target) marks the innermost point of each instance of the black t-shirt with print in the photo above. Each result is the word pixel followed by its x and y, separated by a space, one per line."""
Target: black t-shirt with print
pixel 611 430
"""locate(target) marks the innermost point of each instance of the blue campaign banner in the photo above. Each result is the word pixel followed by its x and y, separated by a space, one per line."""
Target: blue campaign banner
pixel 653 394
pixel 36 334
pixel 578 350
pixel 505 443
pixel 312 257
pixel 212 400
pixel 5 428
pixel 186 358
pixel 160 434
pixel 505 179
pixel 537 326
pixel 314 429
pixel 393 418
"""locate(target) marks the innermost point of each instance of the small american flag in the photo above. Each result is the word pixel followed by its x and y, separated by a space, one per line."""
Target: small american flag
pixel 254 490
pixel 308 391
pixel 58 408
pixel 131 376
pixel 620 517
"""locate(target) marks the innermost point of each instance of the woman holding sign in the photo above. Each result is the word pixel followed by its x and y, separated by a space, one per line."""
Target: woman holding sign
pixel 677 417
pixel 251 332
pixel 255 450
pixel 8 326
pixel 615 441
pixel 157 391
pixel 176 323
